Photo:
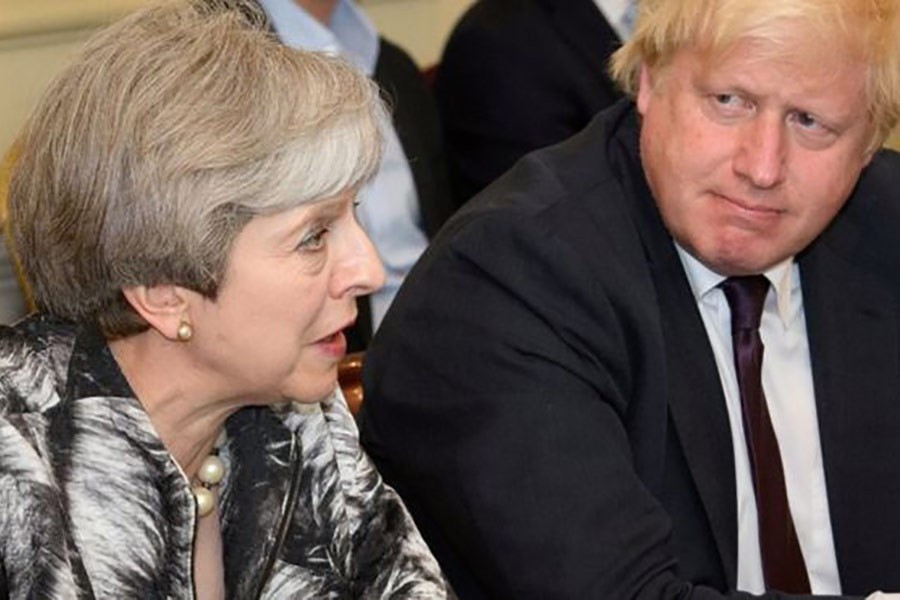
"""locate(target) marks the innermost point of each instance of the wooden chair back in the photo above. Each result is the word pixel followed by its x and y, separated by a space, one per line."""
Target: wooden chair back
pixel 350 380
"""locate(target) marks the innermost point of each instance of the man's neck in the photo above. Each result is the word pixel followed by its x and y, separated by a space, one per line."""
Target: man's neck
pixel 321 10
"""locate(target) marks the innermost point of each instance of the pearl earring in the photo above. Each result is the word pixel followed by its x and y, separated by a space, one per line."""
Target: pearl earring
pixel 185 332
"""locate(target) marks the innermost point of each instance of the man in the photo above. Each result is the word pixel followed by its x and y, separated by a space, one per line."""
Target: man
pixel 563 393
pixel 409 199
pixel 518 75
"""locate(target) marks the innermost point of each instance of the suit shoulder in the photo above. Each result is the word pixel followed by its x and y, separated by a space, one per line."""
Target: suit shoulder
pixel 556 195
pixel 884 171
pixel 499 15
pixel 876 199
pixel 494 32
pixel 401 79
pixel 586 164
pixel 394 59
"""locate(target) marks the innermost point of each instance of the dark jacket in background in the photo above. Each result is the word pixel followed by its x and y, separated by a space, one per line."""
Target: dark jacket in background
pixel 517 75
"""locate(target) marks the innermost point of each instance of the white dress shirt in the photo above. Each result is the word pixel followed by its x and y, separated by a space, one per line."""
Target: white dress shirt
pixel 788 387
pixel 389 209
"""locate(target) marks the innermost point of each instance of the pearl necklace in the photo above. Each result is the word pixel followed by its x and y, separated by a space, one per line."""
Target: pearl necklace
pixel 210 475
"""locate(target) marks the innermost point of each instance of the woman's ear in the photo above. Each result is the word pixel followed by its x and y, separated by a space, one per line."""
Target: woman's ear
pixel 164 307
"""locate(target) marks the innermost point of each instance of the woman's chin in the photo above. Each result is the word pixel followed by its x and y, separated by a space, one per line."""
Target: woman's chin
pixel 312 394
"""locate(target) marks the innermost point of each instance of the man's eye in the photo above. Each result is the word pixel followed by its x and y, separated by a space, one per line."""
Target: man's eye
pixel 727 99
pixel 313 241
pixel 731 103
pixel 807 121
pixel 730 106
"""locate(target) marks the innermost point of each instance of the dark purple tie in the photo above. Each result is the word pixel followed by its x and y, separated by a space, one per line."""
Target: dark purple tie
pixel 782 561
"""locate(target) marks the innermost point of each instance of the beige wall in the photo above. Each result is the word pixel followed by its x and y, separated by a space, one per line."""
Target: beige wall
pixel 38 36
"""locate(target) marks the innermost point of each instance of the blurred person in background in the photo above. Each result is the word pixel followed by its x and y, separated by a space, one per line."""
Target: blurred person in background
pixel 518 75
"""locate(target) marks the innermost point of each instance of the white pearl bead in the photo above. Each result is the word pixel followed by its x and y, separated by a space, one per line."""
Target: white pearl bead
pixel 212 470
pixel 206 500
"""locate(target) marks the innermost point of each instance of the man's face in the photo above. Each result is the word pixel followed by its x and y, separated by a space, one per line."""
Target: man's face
pixel 750 157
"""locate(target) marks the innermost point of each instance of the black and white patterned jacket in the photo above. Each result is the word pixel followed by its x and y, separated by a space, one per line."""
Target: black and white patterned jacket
pixel 93 506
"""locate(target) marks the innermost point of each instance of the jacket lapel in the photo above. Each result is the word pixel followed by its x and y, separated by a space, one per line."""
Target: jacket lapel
pixel 697 409
pixel 263 472
pixel 696 401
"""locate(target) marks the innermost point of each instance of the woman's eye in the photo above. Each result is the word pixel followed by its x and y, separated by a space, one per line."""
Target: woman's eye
pixel 313 241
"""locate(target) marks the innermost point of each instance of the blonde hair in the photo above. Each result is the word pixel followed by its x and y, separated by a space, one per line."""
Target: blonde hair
pixel 172 129
pixel 867 29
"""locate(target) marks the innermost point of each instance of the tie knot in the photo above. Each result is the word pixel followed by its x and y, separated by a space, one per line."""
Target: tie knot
pixel 746 296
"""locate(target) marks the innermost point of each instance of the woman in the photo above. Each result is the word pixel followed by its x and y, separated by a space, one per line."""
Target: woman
pixel 170 425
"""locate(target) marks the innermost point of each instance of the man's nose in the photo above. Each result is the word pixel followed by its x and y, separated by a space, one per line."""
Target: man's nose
pixel 762 152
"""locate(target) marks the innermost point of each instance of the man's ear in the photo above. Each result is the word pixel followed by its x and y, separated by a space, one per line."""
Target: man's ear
pixel 164 307
pixel 645 89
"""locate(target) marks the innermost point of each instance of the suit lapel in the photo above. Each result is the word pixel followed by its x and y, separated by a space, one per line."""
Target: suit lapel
pixel 696 401
pixel 854 348
pixel 697 408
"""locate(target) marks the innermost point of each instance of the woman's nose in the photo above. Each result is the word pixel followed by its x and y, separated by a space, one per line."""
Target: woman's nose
pixel 359 270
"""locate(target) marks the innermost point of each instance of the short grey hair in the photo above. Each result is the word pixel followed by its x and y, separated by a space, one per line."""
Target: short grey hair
pixel 168 133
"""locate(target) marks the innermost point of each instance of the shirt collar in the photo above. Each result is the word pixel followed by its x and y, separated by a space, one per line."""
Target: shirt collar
pixel 350 34
pixel 784 278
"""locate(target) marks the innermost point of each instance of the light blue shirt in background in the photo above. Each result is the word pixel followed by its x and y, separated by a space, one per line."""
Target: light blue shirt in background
pixel 620 14
pixel 389 209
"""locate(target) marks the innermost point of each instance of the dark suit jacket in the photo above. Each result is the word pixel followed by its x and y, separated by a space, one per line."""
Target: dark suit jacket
pixel 545 398
pixel 517 75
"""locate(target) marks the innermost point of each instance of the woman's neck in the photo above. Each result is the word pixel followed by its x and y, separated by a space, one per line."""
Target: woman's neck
pixel 187 417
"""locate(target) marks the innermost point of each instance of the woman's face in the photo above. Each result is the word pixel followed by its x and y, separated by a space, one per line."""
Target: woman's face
pixel 274 332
